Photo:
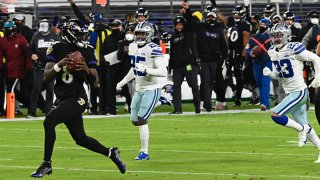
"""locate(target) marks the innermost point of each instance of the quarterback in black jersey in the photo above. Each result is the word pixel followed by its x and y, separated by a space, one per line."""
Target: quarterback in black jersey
pixel 71 94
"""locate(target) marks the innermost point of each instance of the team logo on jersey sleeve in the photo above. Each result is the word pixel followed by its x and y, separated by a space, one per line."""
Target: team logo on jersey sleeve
pixel 49 50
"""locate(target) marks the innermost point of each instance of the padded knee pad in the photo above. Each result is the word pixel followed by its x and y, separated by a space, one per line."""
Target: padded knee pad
pixel 282 120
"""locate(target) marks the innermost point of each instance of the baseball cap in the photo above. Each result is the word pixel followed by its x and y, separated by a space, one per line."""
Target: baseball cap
pixel 116 22
pixel 44 25
pixel 19 17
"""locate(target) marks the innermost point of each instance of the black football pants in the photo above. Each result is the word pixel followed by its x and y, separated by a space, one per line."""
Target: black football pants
pixel 192 80
pixel 208 76
pixel 69 112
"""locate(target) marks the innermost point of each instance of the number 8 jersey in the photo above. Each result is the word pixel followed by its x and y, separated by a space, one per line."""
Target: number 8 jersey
pixel 288 63
pixel 151 56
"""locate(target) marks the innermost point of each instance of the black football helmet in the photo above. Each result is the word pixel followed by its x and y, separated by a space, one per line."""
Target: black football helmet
pixel 142 12
pixel 288 16
pixel 239 10
pixel 74 32
pixel 269 11
pixel 210 8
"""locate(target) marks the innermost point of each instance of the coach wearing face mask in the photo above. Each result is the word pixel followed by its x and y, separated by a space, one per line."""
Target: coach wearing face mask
pixel 110 45
pixel 212 50
pixel 311 36
pixel 40 42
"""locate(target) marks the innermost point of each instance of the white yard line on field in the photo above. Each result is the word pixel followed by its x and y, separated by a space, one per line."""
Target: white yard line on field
pixel 169 172
pixel 172 150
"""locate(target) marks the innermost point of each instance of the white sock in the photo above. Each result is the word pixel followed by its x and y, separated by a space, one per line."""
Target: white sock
pixel 144 138
pixel 312 136
pixel 293 124
pixel 157 104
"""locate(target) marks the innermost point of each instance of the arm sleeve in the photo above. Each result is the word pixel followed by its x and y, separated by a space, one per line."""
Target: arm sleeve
pixel 127 78
pixel 160 70
pixel 32 45
pixel 311 57
pixel 273 74
pixel 307 37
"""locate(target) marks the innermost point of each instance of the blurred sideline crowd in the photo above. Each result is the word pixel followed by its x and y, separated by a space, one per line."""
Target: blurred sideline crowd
pixel 234 56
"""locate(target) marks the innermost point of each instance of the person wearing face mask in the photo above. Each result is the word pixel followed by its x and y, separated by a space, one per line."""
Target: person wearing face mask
pixel 310 40
pixel 40 42
pixel 313 16
pixel 212 50
pixel 254 21
pixel 111 44
pixel 96 39
pixel 123 56
pixel 182 61
pixel 14 48
pixel 260 61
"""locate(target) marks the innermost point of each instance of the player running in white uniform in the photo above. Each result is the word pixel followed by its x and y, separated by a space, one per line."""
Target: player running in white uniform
pixel 287 58
pixel 148 65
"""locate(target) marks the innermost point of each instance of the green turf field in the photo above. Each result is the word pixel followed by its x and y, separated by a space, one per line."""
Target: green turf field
pixel 215 146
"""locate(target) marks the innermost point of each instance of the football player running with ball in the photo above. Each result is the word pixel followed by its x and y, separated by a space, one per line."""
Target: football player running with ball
pixel 148 65
pixel 71 95
pixel 287 58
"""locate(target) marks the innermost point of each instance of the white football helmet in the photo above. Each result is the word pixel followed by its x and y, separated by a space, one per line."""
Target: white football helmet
pixel 280 35
pixel 143 33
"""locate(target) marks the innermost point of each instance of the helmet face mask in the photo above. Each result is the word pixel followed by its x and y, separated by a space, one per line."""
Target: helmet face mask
pixel 142 15
pixel 280 35
pixel 269 11
pixel 239 13
pixel 74 32
pixel 143 33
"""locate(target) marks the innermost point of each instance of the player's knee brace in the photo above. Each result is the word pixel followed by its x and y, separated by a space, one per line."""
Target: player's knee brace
pixel 282 120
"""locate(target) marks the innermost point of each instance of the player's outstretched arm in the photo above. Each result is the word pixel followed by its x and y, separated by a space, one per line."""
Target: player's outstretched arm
pixel 125 80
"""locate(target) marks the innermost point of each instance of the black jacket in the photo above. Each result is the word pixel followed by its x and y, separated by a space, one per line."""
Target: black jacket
pixel 212 45
pixel 183 48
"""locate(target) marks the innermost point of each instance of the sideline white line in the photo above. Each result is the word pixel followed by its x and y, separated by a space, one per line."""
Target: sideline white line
pixel 153 114
pixel 169 172
pixel 173 150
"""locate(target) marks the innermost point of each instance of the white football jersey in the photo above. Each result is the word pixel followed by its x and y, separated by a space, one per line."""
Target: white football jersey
pixel 289 65
pixel 147 55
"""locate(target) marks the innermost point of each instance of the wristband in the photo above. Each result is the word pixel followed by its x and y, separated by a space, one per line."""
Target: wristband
pixel 56 68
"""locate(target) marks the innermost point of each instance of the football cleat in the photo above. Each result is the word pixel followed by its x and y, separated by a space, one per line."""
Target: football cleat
pixel 114 155
pixel 302 136
pixel 318 160
pixel 142 156
pixel 43 169
pixel 165 101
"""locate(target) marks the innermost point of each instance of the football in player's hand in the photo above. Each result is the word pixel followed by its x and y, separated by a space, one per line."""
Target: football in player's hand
pixel 257 50
pixel 76 58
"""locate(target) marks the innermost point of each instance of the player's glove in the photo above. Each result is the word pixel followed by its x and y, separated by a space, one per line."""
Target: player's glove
pixel 266 71
pixel 119 86
pixel 315 83
pixel 141 68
